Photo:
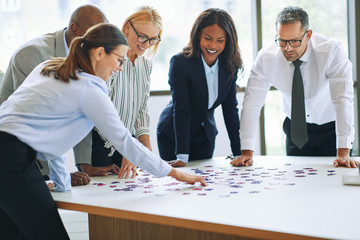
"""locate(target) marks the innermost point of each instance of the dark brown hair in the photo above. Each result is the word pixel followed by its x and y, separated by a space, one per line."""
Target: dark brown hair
pixel 103 35
pixel 231 54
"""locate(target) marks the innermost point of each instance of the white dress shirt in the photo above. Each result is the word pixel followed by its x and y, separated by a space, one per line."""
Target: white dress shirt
pixel 65 43
pixel 212 79
pixel 328 88
pixel 52 116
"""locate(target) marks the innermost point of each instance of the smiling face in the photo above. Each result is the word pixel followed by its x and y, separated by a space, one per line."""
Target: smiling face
pixel 212 43
pixel 293 31
pixel 104 64
pixel 148 30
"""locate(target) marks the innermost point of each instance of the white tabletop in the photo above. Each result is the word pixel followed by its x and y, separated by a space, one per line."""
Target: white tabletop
pixel 294 195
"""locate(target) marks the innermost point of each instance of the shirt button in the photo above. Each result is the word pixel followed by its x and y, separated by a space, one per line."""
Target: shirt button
pixel 308 115
pixel 202 124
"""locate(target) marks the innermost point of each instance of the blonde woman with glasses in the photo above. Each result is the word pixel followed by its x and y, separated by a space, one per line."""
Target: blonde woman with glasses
pixel 129 91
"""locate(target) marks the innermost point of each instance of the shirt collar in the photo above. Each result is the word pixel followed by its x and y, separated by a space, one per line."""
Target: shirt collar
pixel 307 53
pixel 65 44
pixel 212 68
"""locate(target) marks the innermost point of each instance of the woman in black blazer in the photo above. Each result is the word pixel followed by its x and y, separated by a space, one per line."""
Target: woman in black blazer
pixel 202 77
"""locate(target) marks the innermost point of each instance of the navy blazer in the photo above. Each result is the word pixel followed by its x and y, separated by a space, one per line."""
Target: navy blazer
pixel 188 111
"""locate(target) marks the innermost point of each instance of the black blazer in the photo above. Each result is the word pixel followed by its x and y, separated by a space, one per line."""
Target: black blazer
pixel 188 110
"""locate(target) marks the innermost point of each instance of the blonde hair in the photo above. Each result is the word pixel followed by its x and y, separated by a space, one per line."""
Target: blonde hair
pixel 146 14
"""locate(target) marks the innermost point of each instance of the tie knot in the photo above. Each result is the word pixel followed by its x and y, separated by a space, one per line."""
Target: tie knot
pixel 297 63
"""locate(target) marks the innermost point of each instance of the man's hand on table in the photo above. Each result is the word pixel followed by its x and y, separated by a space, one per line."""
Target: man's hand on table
pixel 99 171
pixel 244 160
pixel 177 163
pixel 343 159
pixel 79 178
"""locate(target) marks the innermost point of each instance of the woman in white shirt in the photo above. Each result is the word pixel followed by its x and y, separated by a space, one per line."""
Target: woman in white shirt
pixel 56 106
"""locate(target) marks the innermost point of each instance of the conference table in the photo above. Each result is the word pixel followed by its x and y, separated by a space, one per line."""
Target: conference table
pixel 279 197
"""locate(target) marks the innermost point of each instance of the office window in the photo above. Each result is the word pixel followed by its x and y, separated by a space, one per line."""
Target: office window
pixel 24 20
pixel 178 17
pixel 327 17
pixel 10 5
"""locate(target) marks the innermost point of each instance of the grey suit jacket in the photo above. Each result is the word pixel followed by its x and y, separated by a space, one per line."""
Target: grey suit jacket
pixel 24 60
pixel 27 57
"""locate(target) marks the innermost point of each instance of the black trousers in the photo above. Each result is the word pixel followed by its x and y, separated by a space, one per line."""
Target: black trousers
pixel 26 205
pixel 200 146
pixel 99 153
pixel 322 140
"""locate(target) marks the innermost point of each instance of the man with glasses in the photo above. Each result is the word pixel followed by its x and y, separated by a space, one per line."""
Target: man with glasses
pixel 314 76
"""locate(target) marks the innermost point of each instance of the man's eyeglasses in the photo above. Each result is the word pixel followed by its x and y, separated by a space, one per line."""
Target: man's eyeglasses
pixel 292 43
pixel 144 39
pixel 120 59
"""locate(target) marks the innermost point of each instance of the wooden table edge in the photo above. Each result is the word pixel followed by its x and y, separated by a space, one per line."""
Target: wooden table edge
pixel 184 223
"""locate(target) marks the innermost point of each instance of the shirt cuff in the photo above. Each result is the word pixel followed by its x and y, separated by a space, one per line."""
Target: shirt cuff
pixel 344 142
pixel 142 131
pixel 183 157
pixel 59 175
pixel 166 170
pixel 247 144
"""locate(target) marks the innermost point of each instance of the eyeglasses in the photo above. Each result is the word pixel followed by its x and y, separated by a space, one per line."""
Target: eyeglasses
pixel 292 43
pixel 144 39
pixel 120 59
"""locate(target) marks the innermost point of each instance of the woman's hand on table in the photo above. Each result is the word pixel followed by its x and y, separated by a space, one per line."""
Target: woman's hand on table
pixel 128 169
pixel 50 185
pixel 188 178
